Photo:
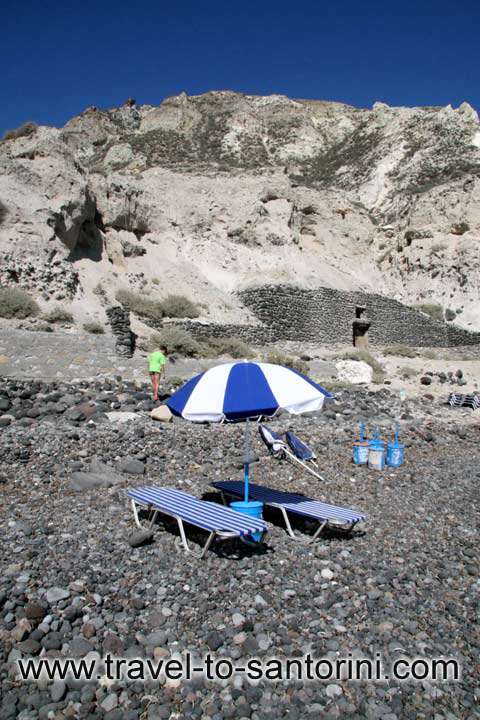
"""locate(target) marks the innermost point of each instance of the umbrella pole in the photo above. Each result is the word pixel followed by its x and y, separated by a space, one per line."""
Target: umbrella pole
pixel 246 471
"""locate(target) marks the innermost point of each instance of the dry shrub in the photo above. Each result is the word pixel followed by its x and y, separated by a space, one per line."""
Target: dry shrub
pixel 407 372
pixel 178 341
pixel 400 351
pixel 58 315
pixel 24 130
pixel 233 347
pixel 16 303
pixel 140 305
pixel 173 306
pixel 276 357
pixel 435 311
pixel 179 306
pixel 94 328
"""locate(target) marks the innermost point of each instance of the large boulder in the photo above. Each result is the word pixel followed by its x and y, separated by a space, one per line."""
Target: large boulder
pixel 355 372
pixel 139 538
pixel 98 475
pixel 131 466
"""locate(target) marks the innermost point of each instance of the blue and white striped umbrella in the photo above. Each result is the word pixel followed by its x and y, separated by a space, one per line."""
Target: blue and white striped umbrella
pixel 241 390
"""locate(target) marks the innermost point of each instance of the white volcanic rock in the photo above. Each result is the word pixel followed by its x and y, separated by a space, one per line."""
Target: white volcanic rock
pixel 209 194
pixel 355 372
pixel 161 413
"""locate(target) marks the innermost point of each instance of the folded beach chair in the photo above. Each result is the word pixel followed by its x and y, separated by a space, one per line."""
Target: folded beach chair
pixel 339 517
pixel 293 450
pixel 275 444
pixel 220 522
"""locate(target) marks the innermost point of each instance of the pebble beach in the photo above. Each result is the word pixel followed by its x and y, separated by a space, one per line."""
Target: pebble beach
pixel 77 583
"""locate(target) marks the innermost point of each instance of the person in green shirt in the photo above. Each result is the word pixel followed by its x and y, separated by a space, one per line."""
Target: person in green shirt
pixel 156 368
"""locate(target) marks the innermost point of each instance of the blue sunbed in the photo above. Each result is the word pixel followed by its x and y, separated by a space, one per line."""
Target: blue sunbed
pixel 221 522
pixel 298 504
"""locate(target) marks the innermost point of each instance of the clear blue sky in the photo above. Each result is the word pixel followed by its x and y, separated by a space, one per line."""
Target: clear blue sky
pixel 56 59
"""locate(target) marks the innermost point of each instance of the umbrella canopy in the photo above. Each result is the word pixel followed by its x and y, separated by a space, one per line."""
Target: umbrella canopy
pixel 241 390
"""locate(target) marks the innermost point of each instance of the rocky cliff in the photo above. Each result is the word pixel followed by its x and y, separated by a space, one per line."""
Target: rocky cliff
pixel 214 194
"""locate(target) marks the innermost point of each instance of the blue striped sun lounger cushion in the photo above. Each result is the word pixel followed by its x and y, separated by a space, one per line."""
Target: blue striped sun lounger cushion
pixel 292 502
pixel 206 515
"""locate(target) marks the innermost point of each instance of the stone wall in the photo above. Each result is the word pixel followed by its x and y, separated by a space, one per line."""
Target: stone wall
pixel 253 334
pixel 119 320
pixel 325 316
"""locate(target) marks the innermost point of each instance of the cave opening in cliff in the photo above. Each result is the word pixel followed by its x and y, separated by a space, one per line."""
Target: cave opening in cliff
pixel 89 245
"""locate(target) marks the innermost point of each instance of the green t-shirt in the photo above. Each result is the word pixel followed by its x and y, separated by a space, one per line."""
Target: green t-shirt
pixel 156 361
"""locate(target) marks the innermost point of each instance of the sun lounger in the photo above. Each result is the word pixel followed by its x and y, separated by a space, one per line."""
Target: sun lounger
pixel 293 450
pixel 220 522
pixel 458 400
pixel 286 502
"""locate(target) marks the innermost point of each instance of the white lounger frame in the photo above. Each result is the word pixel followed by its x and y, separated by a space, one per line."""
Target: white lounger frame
pixel 293 458
pixel 214 534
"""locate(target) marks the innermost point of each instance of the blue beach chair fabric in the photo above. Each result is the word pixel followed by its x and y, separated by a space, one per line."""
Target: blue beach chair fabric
pixel 293 450
pixel 306 507
pixel 299 449
pixel 220 522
